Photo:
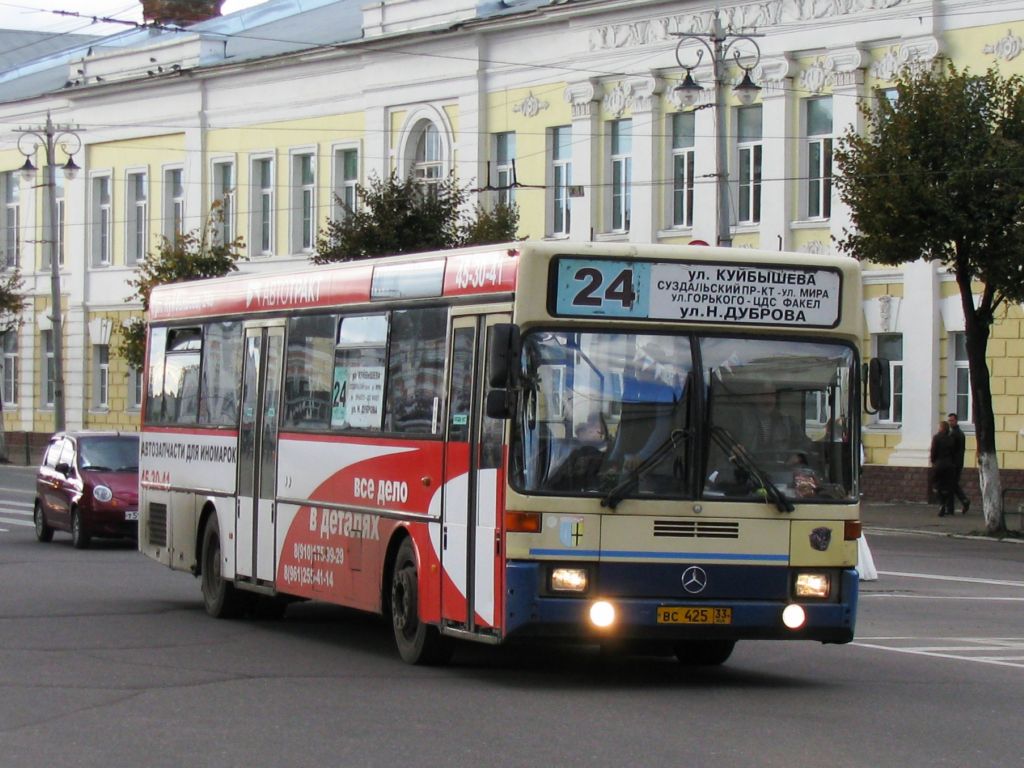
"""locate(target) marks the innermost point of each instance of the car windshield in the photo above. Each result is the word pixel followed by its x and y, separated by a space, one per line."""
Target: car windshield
pixel 110 453
pixel 676 416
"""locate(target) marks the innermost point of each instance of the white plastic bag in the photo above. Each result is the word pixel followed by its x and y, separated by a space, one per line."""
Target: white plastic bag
pixel 865 562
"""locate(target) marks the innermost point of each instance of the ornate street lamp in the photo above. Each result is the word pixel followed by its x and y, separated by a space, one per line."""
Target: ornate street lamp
pixel 49 137
pixel 719 47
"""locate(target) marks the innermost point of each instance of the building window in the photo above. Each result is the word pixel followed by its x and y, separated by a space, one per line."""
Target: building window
pixel 174 195
pixel 750 150
pixel 10 347
pixel 49 370
pixel 889 346
pixel 58 234
pixel 303 203
pixel 819 158
pixel 137 217
pixel 622 172
pixel 561 178
pixel 135 389
pixel 224 192
pixel 963 397
pixel 504 162
pixel 682 169
pixel 346 180
pixel 101 221
pixel 101 363
pixel 11 188
pixel 262 235
pixel 428 159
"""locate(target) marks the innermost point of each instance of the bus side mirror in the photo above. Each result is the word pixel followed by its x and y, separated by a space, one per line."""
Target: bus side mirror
pixel 498 404
pixel 878 384
pixel 503 355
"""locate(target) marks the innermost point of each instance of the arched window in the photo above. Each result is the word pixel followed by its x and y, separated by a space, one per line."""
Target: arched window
pixel 428 159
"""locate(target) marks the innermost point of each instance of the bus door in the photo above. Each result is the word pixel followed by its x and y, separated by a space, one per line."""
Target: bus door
pixel 473 489
pixel 257 453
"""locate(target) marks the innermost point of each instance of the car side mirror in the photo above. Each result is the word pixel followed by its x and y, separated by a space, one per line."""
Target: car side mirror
pixel 64 468
pixel 497 405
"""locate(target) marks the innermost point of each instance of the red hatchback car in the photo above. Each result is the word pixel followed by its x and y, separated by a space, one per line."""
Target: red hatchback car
pixel 88 484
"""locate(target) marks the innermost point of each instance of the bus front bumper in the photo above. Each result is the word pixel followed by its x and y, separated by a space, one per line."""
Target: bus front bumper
pixel 532 613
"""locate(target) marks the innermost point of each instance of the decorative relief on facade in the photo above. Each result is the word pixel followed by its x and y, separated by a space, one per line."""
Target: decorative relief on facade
pixel 817 76
pixel 531 106
pixel 738 17
pixel 915 54
pixel 1008 47
pixel 816 247
pixel 885 313
pixel 771 74
pixel 616 100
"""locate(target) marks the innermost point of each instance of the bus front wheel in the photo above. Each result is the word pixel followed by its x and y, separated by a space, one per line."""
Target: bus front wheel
pixel 704 653
pixel 220 598
pixel 418 643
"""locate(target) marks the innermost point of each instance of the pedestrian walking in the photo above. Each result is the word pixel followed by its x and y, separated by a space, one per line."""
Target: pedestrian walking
pixel 943 468
pixel 959 447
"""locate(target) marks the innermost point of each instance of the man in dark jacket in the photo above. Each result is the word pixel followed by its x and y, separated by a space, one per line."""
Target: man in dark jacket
pixel 943 468
pixel 959 446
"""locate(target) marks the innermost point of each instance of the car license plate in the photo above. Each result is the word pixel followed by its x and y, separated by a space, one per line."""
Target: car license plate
pixel 131 514
pixel 668 614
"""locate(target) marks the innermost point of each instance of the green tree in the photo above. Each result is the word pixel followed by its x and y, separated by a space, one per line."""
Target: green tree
pixel 190 256
pixel 939 174
pixel 396 216
pixel 12 304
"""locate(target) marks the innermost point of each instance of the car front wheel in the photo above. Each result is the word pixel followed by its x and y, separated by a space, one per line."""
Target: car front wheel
pixel 43 531
pixel 79 536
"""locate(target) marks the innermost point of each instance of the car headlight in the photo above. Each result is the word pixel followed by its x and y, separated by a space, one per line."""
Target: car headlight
pixel 102 493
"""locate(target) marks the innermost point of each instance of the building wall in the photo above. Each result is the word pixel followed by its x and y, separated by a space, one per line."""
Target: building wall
pixel 561 66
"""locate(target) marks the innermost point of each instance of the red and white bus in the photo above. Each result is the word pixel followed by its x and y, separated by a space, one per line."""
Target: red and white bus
pixel 597 442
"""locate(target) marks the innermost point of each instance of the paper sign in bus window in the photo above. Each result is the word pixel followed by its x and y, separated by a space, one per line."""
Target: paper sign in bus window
pixel 358 401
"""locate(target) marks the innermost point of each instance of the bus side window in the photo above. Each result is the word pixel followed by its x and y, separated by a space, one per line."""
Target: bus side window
pixel 309 371
pixel 181 375
pixel 155 376
pixel 221 385
pixel 357 391
pixel 416 370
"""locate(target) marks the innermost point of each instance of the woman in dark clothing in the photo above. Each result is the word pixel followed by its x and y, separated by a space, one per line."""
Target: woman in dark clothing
pixel 943 461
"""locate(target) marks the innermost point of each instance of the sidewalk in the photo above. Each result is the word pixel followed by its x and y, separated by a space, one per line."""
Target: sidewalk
pixel 924 518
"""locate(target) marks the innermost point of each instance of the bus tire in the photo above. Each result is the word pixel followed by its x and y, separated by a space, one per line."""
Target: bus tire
pixel 220 598
pixel 417 643
pixel 44 532
pixel 79 536
pixel 704 653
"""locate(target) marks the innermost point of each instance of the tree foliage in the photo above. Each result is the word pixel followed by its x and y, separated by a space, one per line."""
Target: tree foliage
pixel 191 256
pixel 396 216
pixel 12 300
pixel 939 174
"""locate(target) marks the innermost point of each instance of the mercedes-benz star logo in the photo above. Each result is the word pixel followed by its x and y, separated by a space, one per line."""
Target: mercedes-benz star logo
pixel 695 579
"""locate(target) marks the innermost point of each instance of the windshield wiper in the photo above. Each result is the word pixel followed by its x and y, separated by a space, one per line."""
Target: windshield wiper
pixel 618 493
pixel 738 455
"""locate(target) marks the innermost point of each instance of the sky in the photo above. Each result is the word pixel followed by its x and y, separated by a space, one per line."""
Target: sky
pixel 32 14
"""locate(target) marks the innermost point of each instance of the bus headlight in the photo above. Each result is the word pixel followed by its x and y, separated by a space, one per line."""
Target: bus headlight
pixel 569 580
pixel 793 616
pixel 812 585
pixel 602 614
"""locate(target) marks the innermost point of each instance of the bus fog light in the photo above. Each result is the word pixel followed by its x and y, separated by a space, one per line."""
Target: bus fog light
pixel 812 585
pixel 602 614
pixel 793 616
pixel 569 580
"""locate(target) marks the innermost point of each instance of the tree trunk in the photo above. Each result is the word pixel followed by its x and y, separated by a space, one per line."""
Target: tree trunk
pixel 977 327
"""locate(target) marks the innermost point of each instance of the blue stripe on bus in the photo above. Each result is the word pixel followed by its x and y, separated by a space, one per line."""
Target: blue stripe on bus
pixel 655 555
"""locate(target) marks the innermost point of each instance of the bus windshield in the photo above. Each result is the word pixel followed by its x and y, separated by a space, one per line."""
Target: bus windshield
pixel 631 415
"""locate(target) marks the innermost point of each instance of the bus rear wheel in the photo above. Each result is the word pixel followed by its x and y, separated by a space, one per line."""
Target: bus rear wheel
pixel 220 598
pixel 704 653
pixel 418 643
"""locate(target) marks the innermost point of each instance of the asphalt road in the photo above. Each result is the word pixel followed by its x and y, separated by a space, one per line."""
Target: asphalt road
pixel 107 659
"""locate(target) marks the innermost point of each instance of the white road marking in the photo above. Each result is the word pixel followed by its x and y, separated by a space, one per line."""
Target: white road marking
pixel 943 597
pixel 940 577
pixel 12 521
pixel 945 651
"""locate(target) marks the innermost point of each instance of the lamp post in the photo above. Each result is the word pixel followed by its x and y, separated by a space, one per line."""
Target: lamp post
pixel 49 137
pixel 718 45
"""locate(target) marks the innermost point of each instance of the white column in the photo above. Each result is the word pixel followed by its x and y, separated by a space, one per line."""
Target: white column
pixel 647 152
pixel 705 163
pixel 920 328
pixel 847 91
pixel 778 108
pixel 586 153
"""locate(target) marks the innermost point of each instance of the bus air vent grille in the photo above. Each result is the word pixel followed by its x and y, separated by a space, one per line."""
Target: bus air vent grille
pixel 697 529
pixel 156 526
